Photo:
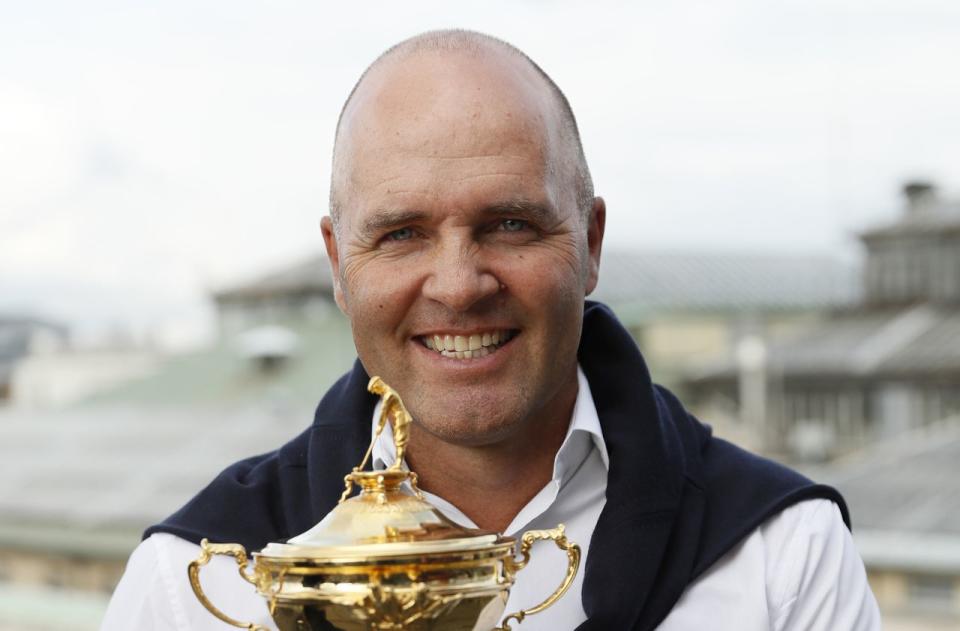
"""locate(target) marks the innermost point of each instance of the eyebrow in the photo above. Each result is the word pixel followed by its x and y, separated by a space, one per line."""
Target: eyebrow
pixel 387 220
pixel 525 209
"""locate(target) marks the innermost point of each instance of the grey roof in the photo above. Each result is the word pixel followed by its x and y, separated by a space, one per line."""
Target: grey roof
pixel 648 282
pixel 226 374
pixel 16 331
pixel 942 216
pixel 309 276
pixel 88 481
pixel 907 484
pixel 904 499
pixel 914 341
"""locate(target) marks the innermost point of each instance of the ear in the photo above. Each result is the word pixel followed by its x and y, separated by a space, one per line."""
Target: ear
pixel 595 225
pixel 333 253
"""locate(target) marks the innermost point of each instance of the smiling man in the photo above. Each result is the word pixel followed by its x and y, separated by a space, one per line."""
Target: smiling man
pixel 464 237
pixel 462 255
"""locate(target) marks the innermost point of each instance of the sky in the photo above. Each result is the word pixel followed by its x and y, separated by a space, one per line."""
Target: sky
pixel 153 152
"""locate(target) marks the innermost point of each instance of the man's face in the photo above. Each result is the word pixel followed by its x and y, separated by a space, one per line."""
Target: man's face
pixel 461 258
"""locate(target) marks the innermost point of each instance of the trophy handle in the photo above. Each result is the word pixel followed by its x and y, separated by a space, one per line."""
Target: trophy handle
pixel 207 551
pixel 513 566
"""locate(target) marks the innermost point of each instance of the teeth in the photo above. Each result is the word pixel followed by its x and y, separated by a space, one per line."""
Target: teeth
pixel 466 346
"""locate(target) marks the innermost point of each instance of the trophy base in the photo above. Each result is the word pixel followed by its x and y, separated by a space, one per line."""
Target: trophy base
pixel 476 613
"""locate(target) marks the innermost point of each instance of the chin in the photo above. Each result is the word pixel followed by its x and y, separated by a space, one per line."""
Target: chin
pixel 473 427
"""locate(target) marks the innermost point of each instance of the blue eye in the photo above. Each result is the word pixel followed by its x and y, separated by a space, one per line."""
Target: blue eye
pixel 513 225
pixel 403 234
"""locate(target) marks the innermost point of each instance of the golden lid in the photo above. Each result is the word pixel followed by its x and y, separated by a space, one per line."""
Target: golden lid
pixel 388 518
pixel 384 520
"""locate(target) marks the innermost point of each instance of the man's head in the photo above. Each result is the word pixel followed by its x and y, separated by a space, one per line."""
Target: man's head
pixel 477 45
pixel 463 215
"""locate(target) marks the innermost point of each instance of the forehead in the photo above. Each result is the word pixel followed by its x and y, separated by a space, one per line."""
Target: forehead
pixel 446 117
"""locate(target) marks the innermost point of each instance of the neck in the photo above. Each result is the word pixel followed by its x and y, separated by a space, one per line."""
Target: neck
pixel 490 484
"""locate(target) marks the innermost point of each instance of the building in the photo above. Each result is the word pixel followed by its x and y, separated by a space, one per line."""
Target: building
pixel 296 293
pixel 886 365
pixel 687 309
pixel 78 486
pixel 904 496
pixel 22 336
pixel 80 480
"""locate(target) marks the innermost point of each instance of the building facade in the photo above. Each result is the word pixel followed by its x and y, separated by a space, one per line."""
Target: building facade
pixel 872 370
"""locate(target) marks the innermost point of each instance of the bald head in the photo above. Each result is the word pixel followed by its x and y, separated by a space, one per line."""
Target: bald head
pixel 422 71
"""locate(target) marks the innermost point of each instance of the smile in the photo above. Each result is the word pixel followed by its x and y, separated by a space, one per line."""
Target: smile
pixel 468 346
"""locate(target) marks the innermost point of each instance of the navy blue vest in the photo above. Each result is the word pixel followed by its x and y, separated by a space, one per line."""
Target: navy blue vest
pixel 677 497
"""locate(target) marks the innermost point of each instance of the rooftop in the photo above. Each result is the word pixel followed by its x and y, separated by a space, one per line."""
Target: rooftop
pixel 88 481
pixel 926 213
pixel 309 276
pixel 907 484
pixel 226 374
pixel 904 498
pixel 17 333
pixel 647 282
pixel 919 340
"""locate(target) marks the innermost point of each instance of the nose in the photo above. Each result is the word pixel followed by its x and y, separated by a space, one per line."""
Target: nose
pixel 458 278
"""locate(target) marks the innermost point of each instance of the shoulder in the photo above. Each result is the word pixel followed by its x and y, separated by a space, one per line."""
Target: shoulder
pixel 815 577
pixel 743 491
pixel 798 570
pixel 746 493
pixel 155 594
pixel 740 477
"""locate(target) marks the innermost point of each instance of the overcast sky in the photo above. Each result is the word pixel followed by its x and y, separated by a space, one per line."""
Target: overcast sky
pixel 152 151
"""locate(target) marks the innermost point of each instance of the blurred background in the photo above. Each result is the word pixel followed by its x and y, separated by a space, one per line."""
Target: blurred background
pixel 783 187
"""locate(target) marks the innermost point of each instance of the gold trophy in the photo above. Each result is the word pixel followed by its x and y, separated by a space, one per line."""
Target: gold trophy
pixel 387 559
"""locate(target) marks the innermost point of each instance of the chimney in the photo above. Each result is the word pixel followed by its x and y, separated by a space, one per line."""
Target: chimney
pixel 921 196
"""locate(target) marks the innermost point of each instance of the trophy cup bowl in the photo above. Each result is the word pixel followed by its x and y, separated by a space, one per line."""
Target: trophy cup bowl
pixel 387 559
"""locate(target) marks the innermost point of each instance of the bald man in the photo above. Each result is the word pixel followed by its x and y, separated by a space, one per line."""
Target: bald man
pixel 464 236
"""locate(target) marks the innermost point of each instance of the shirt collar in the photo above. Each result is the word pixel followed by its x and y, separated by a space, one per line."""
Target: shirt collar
pixel 583 434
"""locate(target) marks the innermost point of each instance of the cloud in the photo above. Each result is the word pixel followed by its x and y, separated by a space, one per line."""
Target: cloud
pixel 38 147
pixel 173 147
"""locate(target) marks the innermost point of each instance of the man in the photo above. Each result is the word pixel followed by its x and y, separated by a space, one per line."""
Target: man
pixel 464 236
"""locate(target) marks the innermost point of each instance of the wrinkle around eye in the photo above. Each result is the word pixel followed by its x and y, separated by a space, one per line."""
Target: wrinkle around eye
pixel 389 245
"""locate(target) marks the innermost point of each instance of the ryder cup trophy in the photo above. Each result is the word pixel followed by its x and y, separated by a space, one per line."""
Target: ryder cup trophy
pixel 387 559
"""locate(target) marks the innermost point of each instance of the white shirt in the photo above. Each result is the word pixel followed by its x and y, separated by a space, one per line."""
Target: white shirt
pixel 574 497
pixel 798 571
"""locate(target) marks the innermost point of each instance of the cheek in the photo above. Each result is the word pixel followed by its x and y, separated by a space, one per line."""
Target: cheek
pixel 376 296
pixel 546 281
